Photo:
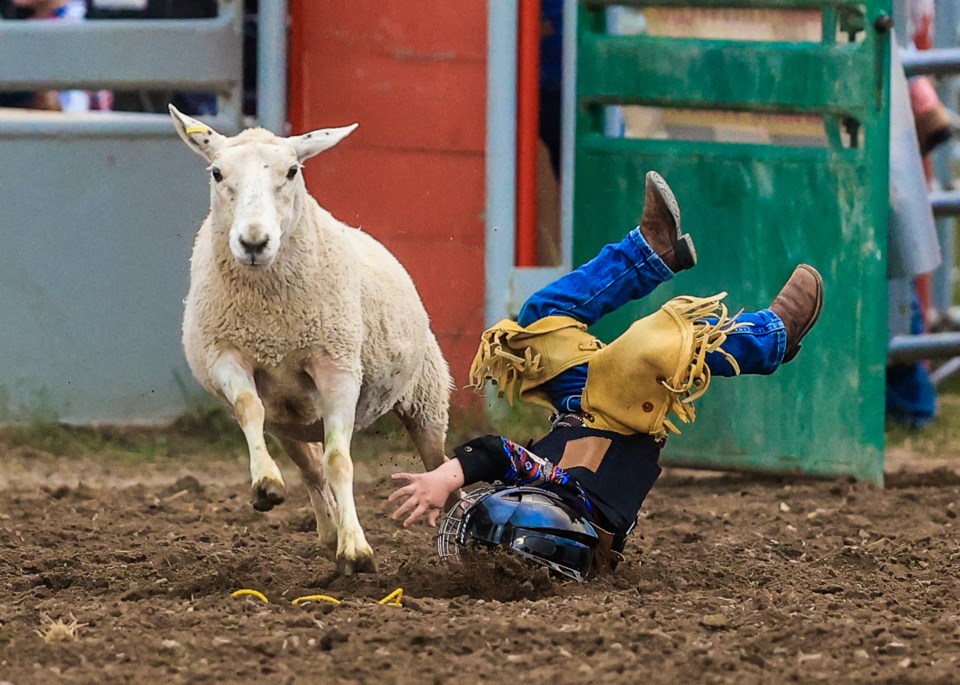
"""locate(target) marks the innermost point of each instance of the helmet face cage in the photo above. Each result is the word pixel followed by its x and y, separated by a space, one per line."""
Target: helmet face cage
pixel 451 534
pixel 568 552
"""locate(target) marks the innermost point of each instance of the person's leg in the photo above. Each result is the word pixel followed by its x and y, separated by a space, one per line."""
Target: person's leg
pixel 774 335
pixel 649 255
pixel 621 272
pixel 758 348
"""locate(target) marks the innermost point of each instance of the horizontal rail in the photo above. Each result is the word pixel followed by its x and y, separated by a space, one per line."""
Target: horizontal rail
pixel 945 371
pixel 937 62
pixel 905 349
pixel 724 74
pixel 945 203
pixel 17 124
pixel 850 5
pixel 186 54
pixel 600 144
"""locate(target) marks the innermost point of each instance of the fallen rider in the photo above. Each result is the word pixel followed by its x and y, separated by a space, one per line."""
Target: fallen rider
pixel 570 499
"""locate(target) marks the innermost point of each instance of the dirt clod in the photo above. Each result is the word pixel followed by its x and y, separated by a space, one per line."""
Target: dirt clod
pixel 714 621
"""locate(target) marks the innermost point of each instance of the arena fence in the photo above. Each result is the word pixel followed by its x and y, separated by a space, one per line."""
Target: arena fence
pixel 942 62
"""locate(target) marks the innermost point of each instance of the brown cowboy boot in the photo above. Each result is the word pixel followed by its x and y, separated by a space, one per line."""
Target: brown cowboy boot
pixel 660 226
pixel 798 305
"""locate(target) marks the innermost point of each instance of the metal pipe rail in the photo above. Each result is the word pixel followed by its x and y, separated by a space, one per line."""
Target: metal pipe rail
pixel 194 54
pixel 272 53
pixel 96 125
pixel 945 203
pixel 180 54
pixel 936 62
pixel 906 349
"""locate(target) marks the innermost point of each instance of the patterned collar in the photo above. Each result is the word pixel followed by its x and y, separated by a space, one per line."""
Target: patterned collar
pixel 567 420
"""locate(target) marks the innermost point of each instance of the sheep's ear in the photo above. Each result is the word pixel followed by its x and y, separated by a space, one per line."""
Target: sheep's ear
pixel 197 135
pixel 315 142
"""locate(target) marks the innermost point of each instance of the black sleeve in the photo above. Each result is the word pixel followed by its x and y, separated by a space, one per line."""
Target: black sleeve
pixel 483 459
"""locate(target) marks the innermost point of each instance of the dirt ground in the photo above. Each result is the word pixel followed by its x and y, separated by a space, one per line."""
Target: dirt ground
pixel 114 570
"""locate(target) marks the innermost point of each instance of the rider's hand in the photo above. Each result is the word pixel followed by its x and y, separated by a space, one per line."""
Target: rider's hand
pixel 426 493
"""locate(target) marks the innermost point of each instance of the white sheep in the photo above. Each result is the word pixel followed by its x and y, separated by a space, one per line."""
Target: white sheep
pixel 308 328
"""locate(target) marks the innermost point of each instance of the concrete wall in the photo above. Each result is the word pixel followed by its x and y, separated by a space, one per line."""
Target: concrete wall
pixel 96 235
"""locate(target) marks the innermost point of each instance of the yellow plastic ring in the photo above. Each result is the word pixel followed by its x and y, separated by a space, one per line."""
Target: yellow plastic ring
pixel 315 598
pixel 197 129
pixel 251 593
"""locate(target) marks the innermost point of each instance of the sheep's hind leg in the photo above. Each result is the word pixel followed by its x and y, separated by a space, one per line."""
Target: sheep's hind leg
pixel 425 414
pixel 235 381
pixel 338 392
pixel 309 458
pixel 429 440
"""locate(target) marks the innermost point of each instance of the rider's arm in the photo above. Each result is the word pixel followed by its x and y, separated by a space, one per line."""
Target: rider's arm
pixel 482 459
pixel 490 458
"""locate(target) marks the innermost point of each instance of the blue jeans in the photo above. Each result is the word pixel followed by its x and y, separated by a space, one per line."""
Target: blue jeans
pixel 911 395
pixel 630 270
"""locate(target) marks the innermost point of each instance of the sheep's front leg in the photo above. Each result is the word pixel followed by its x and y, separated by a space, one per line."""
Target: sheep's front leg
pixel 234 379
pixel 337 395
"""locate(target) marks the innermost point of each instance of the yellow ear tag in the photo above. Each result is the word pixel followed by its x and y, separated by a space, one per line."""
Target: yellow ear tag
pixel 393 599
pixel 315 598
pixel 197 129
pixel 251 593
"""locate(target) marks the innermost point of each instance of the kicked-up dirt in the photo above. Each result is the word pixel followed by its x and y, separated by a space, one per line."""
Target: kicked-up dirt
pixel 113 571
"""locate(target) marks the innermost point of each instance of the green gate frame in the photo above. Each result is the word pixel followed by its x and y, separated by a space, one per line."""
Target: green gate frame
pixel 755 212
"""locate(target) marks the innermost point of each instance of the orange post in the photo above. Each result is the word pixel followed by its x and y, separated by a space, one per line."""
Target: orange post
pixel 421 193
pixel 528 130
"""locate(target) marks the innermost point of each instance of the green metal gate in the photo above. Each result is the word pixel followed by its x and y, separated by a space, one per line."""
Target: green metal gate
pixel 756 211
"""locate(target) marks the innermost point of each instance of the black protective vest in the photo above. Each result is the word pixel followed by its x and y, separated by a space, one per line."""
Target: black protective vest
pixel 621 482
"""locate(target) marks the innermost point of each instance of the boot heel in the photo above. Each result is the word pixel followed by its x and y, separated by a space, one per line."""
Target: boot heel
pixel 685 251
pixel 790 354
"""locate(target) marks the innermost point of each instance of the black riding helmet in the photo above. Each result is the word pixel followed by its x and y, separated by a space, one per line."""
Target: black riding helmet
pixel 534 523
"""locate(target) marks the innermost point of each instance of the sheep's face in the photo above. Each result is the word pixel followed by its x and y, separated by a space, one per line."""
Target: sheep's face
pixel 256 184
pixel 255 199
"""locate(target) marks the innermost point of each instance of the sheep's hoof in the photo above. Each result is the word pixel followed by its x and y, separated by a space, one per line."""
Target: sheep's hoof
pixel 363 564
pixel 267 494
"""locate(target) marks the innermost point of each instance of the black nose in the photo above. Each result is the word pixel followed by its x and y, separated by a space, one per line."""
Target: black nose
pixel 253 249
